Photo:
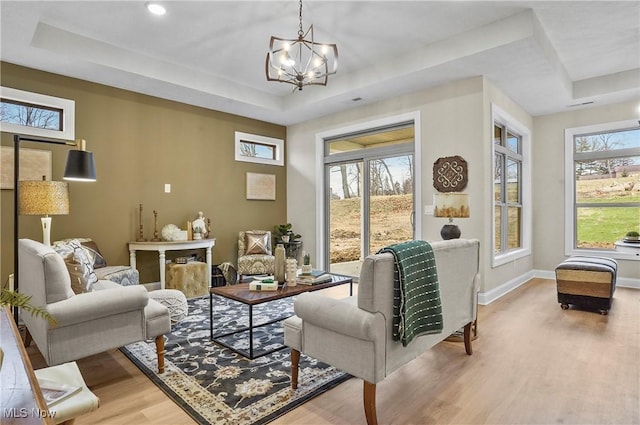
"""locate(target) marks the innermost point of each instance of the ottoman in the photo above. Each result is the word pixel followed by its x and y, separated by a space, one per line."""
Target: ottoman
pixel 587 282
pixel 174 300
pixel 190 278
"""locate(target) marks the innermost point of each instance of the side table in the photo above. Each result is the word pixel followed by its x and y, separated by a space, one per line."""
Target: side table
pixel 164 246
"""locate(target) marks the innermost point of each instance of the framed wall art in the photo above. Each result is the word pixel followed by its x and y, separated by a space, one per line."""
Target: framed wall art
pixel 34 164
pixel 450 174
pixel 261 187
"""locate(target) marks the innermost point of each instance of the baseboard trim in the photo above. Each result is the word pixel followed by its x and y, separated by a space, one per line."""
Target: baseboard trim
pixel 490 296
pixel 485 298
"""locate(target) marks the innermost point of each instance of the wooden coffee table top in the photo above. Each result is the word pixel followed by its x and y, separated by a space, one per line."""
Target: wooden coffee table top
pixel 241 292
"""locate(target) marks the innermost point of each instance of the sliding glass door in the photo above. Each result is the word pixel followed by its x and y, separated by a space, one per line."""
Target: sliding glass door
pixel 369 195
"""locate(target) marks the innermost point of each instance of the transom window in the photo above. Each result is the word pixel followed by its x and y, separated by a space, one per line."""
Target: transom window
pixel 259 149
pixel 36 114
pixel 603 185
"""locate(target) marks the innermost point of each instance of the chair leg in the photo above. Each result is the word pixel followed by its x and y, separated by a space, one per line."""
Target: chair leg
pixel 27 337
pixel 160 351
pixel 369 396
pixel 467 338
pixel 295 360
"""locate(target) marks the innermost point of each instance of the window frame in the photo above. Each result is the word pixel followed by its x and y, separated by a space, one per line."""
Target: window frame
pixel 570 219
pixel 511 124
pixel 67 107
pixel 277 144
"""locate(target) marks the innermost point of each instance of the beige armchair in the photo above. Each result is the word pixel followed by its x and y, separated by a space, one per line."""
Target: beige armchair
pixel 108 316
pixel 355 334
pixel 254 252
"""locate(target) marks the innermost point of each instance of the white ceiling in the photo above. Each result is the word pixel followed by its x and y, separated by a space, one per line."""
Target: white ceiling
pixel 546 55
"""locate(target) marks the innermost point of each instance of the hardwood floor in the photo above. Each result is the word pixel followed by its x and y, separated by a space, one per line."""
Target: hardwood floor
pixel 532 363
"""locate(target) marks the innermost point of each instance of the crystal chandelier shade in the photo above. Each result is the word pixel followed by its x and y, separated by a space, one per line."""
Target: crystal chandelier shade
pixel 301 61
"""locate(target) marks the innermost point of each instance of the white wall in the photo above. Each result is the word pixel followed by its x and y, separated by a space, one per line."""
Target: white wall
pixel 548 178
pixel 454 121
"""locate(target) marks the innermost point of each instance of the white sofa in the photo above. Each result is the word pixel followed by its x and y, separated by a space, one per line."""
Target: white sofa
pixel 355 334
pixel 108 317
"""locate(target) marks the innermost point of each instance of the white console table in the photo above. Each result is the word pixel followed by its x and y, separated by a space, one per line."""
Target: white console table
pixel 164 246
pixel 628 247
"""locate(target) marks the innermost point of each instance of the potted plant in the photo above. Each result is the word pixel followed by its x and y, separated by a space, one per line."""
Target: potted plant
pixel 632 236
pixel 18 300
pixel 306 264
pixel 283 233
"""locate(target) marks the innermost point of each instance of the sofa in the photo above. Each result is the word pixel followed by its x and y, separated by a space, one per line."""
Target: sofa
pixel 355 334
pixel 101 315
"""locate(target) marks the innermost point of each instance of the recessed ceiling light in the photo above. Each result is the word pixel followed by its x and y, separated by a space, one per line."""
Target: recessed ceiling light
pixel 156 8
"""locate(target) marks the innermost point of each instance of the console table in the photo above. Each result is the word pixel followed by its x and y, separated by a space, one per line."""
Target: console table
pixel 164 246
pixel 628 247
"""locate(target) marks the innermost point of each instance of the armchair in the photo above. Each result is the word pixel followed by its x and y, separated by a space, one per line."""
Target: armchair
pixel 355 334
pixel 254 252
pixel 107 317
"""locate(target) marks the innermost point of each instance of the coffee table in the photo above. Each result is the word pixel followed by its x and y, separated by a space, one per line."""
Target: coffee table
pixel 241 293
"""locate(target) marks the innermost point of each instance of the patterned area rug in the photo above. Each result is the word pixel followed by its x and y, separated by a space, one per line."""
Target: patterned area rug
pixel 217 386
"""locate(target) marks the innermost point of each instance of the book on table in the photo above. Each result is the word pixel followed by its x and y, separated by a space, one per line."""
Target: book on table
pixel 314 278
pixel 54 392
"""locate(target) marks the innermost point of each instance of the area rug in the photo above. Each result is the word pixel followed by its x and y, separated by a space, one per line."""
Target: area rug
pixel 217 386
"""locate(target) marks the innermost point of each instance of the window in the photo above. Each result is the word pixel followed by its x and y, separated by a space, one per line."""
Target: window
pixel 36 114
pixel 259 149
pixel 511 189
pixel 602 195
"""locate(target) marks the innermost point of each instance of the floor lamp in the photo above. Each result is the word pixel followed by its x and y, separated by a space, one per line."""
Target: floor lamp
pixel 80 167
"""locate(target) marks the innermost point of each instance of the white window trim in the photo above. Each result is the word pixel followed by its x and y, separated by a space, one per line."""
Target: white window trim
pixel 500 116
pixel 569 188
pixel 68 114
pixel 278 145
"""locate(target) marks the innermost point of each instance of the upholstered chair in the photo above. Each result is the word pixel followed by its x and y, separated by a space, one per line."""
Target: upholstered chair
pixel 100 316
pixel 254 253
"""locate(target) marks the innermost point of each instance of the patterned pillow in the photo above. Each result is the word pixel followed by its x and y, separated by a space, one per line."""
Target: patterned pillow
pixel 78 264
pixel 257 243
pixel 91 249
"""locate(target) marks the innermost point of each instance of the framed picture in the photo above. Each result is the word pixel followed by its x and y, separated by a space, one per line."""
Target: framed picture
pixel 34 164
pixel 261 187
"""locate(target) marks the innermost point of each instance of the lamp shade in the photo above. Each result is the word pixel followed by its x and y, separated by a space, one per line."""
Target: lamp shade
pixel 80 166
pixel 40 197
pixel 452 205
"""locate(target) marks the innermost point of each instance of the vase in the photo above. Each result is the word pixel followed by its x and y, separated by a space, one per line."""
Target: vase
pixel 279 272
pixel 292 271
pixel 450 231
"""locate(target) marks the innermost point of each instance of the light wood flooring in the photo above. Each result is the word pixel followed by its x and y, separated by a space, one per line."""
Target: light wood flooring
pixel 533 363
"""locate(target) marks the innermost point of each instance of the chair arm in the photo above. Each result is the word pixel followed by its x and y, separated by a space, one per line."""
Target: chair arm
pixel 95 305
pixel 339 316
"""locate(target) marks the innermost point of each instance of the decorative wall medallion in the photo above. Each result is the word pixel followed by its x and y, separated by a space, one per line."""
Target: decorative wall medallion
pixel 450 174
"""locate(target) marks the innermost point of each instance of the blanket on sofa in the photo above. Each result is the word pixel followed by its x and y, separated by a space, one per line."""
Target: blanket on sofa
pixel 417 309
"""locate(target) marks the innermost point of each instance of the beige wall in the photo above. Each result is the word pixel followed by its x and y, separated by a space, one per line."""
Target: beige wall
pixel 454 121
pixel 140 143
pixel 548 178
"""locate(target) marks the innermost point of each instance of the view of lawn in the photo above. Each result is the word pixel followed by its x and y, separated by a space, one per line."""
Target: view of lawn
pixel 597 227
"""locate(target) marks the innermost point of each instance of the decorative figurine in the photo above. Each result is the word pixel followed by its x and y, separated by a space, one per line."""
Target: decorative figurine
pixel 201 223
pixel 141 237
pixel 155 227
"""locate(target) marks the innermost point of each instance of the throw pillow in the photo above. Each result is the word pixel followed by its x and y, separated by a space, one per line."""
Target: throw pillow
pixel 257 243
pixel 78 264
pixel 96 259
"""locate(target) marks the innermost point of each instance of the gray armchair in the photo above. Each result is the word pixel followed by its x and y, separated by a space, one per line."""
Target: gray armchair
pixel 108 317
pixel 355 334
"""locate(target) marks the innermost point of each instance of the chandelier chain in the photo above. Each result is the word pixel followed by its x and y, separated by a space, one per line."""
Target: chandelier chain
pixel 300 31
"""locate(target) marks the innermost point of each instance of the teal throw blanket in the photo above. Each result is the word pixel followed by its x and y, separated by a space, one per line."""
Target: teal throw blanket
pixel 417 309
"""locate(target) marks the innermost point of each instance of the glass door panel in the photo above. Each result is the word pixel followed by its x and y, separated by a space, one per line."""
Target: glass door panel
pixel 390 201
pixel 345 218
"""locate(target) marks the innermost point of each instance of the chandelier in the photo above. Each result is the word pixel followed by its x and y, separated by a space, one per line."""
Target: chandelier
pixel 301 61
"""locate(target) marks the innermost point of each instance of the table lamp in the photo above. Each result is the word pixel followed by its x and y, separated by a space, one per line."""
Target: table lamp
pixel 451 205
pixel 42 197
